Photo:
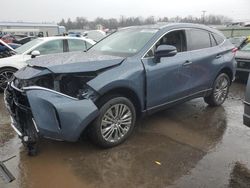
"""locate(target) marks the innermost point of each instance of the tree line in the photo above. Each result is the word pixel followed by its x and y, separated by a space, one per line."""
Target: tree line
pixel 113 23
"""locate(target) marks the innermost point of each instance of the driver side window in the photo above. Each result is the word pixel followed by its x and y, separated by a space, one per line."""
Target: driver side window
pixel 51 47
pixel 174 38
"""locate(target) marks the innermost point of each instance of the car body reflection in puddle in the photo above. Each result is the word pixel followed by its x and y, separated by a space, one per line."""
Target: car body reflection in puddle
pixel 193 145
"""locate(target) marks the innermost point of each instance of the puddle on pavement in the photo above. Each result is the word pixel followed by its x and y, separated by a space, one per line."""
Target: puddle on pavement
pixel 190 145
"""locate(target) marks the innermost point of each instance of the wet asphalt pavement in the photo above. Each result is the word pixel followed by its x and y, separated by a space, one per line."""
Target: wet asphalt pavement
pixel 190 145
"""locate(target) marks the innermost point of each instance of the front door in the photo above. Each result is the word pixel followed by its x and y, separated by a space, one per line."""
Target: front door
pixel 163 81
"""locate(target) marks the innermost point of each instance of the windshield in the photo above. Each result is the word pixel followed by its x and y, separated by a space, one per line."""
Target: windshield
pixel 27 46
pixel 124 43
pixel 246 47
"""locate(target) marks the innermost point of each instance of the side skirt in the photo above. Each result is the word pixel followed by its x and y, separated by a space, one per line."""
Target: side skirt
pixel 169 104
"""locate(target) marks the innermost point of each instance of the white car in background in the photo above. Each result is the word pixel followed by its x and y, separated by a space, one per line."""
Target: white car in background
pixel 37 47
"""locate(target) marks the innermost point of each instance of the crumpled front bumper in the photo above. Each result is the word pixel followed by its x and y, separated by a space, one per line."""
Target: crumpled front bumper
pixel 53 114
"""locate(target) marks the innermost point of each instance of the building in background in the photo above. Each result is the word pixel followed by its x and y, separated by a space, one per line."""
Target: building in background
pixel 31 29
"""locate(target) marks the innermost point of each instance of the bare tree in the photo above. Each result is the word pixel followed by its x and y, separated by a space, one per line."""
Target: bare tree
pixel 113 23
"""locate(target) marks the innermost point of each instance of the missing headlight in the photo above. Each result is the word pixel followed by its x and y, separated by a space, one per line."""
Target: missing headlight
pixel 45 81
pixel 87 93
pixel 75 86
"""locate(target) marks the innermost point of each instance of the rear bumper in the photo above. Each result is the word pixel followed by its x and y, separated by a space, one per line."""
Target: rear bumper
pixel 246 115
pixel 242 70
pixel 49 113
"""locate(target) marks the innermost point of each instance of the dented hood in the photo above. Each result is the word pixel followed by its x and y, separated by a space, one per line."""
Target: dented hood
pixel 72 62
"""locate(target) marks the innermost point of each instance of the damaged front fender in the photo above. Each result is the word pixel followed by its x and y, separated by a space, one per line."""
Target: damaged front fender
pixel 59 116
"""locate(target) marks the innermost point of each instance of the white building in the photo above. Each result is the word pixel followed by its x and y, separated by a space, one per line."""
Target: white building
pixel 29 28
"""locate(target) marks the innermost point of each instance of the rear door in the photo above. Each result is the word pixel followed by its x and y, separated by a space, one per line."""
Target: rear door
pixel 205 54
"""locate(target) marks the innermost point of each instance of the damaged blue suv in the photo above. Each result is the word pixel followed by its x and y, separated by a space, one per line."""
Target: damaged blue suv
pixel 133 72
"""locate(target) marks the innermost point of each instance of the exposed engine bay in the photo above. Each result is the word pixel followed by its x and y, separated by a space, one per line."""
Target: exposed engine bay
pixel 73 85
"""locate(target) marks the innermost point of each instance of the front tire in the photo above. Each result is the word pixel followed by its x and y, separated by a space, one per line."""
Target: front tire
pixel 115 122
pixel 5 76
pixel 220 91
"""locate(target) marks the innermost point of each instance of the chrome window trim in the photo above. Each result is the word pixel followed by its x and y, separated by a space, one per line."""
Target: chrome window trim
pixel 182 28
pixel 247 103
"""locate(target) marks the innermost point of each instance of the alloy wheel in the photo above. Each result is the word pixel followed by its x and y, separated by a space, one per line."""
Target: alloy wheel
pixel 116 122
pixel 221 89
pixel 5 76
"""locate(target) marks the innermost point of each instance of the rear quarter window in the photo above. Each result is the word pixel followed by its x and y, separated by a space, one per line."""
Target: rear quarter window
pixel 213 41
pixel 198 39
pixel 219 39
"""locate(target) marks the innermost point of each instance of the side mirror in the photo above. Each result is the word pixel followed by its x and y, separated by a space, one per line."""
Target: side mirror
pixel 35 53
pixel 165 51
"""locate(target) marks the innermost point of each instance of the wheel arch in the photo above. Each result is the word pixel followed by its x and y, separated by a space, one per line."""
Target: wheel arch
pixel 227 71
pixel 8 67
pixel 125 92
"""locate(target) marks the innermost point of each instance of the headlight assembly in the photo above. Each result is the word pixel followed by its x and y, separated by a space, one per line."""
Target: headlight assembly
pixel 73 85
pixel 87 93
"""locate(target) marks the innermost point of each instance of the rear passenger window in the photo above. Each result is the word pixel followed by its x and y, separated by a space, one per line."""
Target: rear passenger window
pixel 219 39
pixel 198 39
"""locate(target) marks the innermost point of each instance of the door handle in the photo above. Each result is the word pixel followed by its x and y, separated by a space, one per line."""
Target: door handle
pixel 218 56
pixel 187 63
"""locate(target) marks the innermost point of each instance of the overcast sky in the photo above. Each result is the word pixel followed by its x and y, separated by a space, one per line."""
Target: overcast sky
pixel 54 10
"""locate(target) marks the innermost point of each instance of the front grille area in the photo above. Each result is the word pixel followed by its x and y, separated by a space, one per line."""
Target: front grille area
pixel 243 63
pixel 18 105
pixel 20 98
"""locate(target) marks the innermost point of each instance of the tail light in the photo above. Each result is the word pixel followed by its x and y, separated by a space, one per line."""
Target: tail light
pixel 234 50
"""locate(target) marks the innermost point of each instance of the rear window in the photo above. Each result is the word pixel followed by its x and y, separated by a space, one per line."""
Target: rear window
pixel 219 39
pixel 76 45
pixel 198 39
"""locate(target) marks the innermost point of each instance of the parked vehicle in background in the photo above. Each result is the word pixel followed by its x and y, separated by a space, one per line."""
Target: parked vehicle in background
pixel 37 47
pixel 246 115
pixel 14 45
pixel 5 46
pixel 243 63
pixel 134 71
pixel 75 34
pixel 239 42
pixel 24 40
pixel 95 35
pixel 8 38
pixel 235 31
pixel 6 50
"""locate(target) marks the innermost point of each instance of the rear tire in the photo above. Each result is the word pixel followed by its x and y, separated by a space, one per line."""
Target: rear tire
pixel 115 122
pixel 220 90
pixel 5 76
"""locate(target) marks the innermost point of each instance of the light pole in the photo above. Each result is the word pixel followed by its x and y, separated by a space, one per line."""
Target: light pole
pixel 203 15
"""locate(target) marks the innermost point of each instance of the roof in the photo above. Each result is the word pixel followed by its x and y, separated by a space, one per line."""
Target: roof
pixel 162 25
pixel 66 37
